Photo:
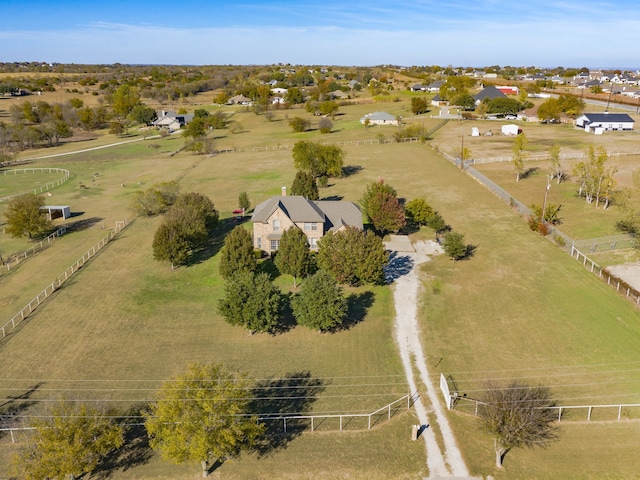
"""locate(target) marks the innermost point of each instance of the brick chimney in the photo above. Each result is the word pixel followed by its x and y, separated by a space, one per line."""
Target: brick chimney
pixel 284 191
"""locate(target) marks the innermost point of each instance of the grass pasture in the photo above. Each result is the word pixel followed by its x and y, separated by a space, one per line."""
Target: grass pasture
pixel 519 308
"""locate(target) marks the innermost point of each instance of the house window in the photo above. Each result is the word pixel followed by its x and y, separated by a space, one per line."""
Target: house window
pixel 275 244
pixel 276 225
pixel 313 243
pixel 310 227
pixel 259 242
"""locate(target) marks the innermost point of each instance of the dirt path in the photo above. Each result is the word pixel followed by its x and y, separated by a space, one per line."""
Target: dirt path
pixel 403 273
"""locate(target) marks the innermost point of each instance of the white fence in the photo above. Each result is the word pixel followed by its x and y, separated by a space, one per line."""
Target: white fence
pixel 42 188
pixel 57 283
pixel 590 413
pixel 545 156
pixel 619 284
pixel 314 421
pixel 273 148
pixel 16 260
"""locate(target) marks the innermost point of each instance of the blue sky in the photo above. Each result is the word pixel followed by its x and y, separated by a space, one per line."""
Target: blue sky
pixel 357 32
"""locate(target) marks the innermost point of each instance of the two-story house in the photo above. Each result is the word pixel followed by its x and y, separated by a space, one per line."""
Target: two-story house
pixel 314 218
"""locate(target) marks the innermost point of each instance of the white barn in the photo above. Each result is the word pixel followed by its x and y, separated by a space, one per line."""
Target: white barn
pixel 592 122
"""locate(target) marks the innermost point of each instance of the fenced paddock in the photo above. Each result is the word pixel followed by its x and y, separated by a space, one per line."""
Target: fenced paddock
pixel 9 326
pixel 617 283
pixel 41 189
pixel 15 260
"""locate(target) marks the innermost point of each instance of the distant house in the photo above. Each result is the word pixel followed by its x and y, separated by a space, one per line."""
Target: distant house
pixel 171 120
pixel 338 95
pixel 239 100
pixel 278 91
pixel 315 218
pixel 434 86
pixel 490 93
pixel 438 102
pixel 418 88
pixel 379 118
pixel 598 122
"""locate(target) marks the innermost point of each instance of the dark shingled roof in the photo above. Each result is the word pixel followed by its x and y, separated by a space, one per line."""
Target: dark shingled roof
pixel 334 214
pixel 608 117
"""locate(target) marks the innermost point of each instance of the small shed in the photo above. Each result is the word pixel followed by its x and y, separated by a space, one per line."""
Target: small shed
pixel 510 129
pixel 475 132
pixel 57 211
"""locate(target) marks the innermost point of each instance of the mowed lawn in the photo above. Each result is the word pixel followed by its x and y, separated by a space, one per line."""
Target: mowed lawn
pixel 519 308
pixel 126 323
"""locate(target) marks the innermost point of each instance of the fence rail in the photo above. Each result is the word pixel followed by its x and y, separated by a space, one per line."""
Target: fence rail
pixel 620 285
pixel 43 188
pixel 590 413
pixel 605 244
pixel 312 421
pixel 371 141
pixel 15 260
pixel 301 422
pixel 9 326
pixel 545 156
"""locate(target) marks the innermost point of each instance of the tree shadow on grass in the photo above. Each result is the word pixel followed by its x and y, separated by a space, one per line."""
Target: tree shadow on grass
pixel 287 321
pixel 358 305
pixel 351 170
pixel 14 406
pixel 83 224
pixel 292 395
pixel 529 172
pixel 135 451
pixel 216 240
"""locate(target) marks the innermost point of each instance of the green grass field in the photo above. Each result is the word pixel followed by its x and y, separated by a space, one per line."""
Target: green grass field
pixel 519 308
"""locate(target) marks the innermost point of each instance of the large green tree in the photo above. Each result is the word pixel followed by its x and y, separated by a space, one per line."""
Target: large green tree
pixel 68 441
pixel 517 415
pixel 319 160
pixel 454 246
pixel 155 199
pixel 419 105
pixel 386 213
pixel 380 203
pixel 304 184
pixel 293 256
pixel 252 301
pixel 321 304
pixel 171 244
pixel 25 217
pixel 124 99
pixel 352 256
pixel 550 111
pixel 419 211
pixel 197 215
pixel 202 416
pixel 237 253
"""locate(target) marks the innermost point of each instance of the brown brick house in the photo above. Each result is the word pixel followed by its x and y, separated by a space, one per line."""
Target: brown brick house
pixel 314 218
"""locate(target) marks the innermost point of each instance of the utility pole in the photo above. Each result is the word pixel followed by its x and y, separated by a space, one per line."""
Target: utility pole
pixel 546 194
pixel 462 151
